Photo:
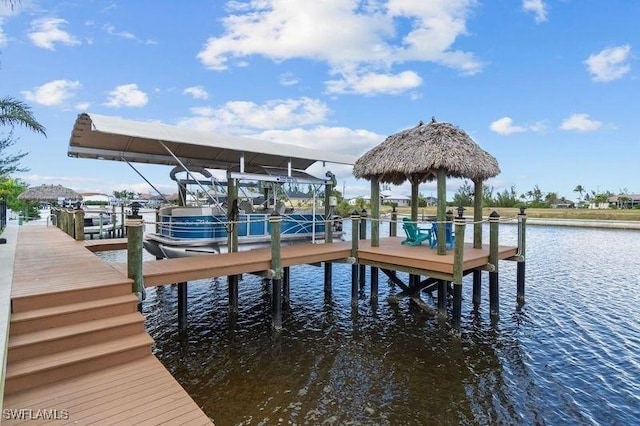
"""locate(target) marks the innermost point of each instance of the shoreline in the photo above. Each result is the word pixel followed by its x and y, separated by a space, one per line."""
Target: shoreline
pixel 586 223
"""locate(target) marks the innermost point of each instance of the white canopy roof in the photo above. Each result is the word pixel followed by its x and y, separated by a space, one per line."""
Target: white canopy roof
pixel 113 138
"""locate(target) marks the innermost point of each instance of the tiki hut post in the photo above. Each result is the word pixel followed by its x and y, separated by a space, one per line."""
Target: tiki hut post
pixel 375 213
pixel 415 183
pixel 442 207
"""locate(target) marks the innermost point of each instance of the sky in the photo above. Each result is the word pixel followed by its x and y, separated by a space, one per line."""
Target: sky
pixel 548 87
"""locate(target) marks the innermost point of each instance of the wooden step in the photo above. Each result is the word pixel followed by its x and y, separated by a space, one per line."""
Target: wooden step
pixel 50 368
pixel 66 297
pixel 59 339
pixel 57 316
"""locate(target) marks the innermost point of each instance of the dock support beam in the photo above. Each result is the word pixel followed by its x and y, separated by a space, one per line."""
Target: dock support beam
pixel 355 224
pixel 286 285
pixel 442 298
pixel 232 283
pixel 328 278
pixel 182 307
pixel 276 282
pixel 78 220
pixel 522 225
pixel 494 298
pixel 374 283
pixel 135 226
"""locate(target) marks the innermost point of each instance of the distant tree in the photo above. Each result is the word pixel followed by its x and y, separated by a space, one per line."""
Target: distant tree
pixel 10 163
pixel 507 198
pixel 551 198
pixel 464 195
pixel 579 189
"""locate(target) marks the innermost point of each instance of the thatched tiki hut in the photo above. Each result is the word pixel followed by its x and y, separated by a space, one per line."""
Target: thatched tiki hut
pixel 49 193
pixel 423 153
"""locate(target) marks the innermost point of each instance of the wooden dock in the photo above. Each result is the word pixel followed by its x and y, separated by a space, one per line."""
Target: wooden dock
pixel 77 347
pixel 77 343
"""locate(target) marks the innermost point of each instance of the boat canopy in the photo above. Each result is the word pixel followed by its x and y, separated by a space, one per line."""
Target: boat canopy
pixel 112 138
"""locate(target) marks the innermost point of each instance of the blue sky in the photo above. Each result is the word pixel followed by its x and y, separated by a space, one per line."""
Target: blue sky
pixel 549 87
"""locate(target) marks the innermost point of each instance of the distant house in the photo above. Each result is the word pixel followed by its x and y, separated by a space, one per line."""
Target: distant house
pixel 387 197
pixel 624 201
pixel 563 204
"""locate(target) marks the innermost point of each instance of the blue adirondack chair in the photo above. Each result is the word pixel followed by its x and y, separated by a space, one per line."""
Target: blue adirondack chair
pixel 449 236
pixel 415 235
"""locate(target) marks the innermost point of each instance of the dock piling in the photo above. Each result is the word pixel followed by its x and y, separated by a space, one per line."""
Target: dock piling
pixel 494 297
pixel 182 307
pixel 355 223
pixel 520 268
pixel 135 226
pixel 276 282
pixel 363 236
pixel 458 269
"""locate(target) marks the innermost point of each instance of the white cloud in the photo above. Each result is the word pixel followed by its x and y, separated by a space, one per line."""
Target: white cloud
pixel 372 83
pixel 46 32
pixel 504 126
pixel 52 93
pixel 580 123
pixel 127 95
pixel 237 116
pixel 537 7
pixel 609 64
pixel 111 30
pixel 196 92
pixel 288 79
pixel 370 36
pixel 82 106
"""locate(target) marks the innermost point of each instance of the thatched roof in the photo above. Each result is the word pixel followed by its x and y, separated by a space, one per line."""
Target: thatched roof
pixel 49 193
pixel 416 154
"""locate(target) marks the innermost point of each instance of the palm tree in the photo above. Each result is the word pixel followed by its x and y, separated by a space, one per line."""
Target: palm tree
pixel 579 189
pixel 14 112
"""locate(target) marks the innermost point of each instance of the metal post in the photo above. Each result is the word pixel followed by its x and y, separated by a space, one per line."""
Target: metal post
pixel 276 282
pixel 522 225
pixel 135 225
pixel 355 224
pixel 494 298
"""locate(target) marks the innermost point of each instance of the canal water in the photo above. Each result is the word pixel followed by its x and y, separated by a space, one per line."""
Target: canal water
pixel 570 355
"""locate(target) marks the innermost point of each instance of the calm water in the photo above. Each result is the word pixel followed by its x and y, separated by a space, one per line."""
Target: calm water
pixel 570 355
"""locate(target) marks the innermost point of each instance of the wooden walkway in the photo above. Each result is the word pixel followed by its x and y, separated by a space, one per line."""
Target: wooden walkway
pixel 390 254
pixel 77 347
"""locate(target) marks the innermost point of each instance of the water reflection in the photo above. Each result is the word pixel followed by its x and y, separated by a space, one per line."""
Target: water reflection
pixel 570 355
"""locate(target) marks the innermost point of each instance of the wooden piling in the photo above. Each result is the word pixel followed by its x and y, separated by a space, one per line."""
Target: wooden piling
pixel 374 283
pixel 494 298
pixel 520 268
pixel 182 307
pixel 78 220
pixel 355 224
pixel 328 230
pixel 363 236
pixel 286 285
pixel 232 241
pixel 458 271
pixel 232 284
pixel 477 238
pixel 393 225
pixel 276 282
pixel 442 298
pixel 442 206
pixel 135 226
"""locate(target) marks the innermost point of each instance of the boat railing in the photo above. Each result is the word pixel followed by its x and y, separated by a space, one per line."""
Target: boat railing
pixel 249 225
